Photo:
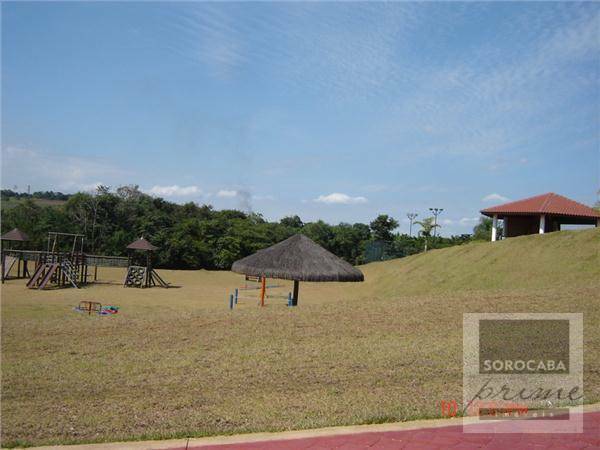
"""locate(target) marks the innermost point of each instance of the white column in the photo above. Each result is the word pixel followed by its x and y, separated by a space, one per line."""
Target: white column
pixel 494 227
pixel 542 223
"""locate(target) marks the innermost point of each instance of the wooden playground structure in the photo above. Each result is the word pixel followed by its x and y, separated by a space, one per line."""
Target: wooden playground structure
pixel 9 261
pixel 142 276
pixel 65 264
pixel 58 267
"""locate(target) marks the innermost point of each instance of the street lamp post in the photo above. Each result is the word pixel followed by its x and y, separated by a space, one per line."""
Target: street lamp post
pixel 411 217
pixel 436 212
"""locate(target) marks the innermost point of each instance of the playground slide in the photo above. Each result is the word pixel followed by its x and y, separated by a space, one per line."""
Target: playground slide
pixel 34 278
pixel 162 282
pixel 48 275
pixel 42 276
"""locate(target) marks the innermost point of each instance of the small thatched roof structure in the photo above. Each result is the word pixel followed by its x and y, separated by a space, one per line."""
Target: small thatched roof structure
pixel 142 244
pixel 297 258
pixel 15 235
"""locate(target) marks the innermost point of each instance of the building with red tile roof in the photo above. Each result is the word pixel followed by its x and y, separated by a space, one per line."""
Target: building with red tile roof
pixel 540 214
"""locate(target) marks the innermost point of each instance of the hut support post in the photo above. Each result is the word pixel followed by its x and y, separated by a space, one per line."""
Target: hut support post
pixel 296 289
pixel 148 269
pixel 262 290
pixel 494 227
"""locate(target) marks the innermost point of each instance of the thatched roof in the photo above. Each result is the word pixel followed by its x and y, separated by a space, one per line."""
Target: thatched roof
pixel 142 244
pixel 297 258
pixel 15 235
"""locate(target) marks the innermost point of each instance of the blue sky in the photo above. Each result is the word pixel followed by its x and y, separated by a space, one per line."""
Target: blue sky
pixel 339 111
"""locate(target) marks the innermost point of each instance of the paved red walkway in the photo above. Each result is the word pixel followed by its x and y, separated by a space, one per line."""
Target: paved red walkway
pixel 451 437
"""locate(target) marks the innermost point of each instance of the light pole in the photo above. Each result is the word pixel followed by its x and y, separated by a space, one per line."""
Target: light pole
pixel 436 212
pixel 411 217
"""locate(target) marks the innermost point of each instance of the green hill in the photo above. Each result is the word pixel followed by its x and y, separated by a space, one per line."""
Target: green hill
pixel 536 261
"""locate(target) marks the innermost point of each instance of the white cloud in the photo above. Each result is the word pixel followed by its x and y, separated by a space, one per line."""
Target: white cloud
pixel 207 35
pixel 338 198
pixel 336 56
pixel 469 221
pixel 224 193
pixel 447 222
pixel 175 191
pixel 494 198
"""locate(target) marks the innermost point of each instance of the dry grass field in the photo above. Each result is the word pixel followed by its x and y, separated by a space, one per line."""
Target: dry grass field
pixel 178 362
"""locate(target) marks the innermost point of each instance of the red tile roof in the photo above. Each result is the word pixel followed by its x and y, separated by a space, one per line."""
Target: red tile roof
pixel 549 203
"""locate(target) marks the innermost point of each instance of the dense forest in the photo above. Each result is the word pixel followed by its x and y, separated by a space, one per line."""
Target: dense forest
pixel 191 236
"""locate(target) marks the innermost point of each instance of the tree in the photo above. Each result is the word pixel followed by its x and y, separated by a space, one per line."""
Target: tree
pixel 186 246
pixel 292 222
pixel 129 192
pixel 427 226
pixel 405 245
pixel 191 236
pixel 483 230
pixel 78 209
pixel 320 232
pixel 102 189
pixel 347 240
pixel 382 227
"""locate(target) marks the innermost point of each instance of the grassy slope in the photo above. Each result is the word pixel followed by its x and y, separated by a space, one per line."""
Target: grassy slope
pixel 569 257
pixel 178 362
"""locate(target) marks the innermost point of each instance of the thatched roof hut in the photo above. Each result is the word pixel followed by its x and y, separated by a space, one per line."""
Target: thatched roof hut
pixel 297 258
pixel 142 244
pixel 15 235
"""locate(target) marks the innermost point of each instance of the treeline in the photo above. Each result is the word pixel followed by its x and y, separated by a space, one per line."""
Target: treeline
pixel 47 195
pixel 191 236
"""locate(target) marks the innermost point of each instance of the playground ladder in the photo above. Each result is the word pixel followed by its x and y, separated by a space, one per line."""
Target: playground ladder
pixel 136 276
pixel 70 272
